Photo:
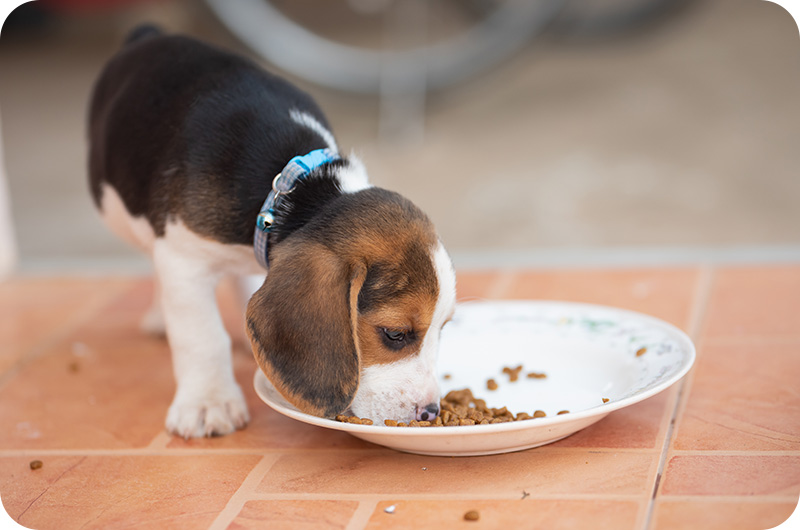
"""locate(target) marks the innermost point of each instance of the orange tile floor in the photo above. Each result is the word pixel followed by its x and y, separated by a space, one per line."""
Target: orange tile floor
pixel 82 390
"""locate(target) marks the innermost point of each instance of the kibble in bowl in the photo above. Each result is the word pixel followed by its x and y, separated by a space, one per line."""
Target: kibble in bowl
pixel 576 354
pixel 458 408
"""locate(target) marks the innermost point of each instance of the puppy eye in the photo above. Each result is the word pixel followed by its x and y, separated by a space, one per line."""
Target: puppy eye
pixel 394 335
pixel 396 339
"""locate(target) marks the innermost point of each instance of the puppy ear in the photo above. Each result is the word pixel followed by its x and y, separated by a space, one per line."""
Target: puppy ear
pixel 302 324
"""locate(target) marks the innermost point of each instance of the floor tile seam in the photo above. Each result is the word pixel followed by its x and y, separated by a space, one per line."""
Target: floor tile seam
pixel 663 456
pixel 160 441
pixel 724 452
pixel 701 297
pixel 362 514
pixel 166 451
pixel 42 346
pixel 433 496
pixel 538 451
pixel 668 416
pixel 750 499
pixel 700 301
pixel 679 411
pixel 642 513
pixel 237 501
pixel 776 442
pixel 655 472
pixel 137 452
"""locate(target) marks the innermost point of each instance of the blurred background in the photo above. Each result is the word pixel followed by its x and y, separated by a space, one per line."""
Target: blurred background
pixel 534 133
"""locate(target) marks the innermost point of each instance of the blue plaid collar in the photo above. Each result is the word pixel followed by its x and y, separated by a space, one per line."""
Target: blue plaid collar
pixel 284 182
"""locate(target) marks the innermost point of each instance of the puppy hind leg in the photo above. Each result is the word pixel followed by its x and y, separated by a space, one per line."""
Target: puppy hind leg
pixel 208 401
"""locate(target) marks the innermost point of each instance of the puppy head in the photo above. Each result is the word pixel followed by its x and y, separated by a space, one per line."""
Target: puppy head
pixel 403 304
pixel 350 313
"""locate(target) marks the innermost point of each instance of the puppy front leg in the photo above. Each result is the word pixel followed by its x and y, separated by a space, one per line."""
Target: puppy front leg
pixel 208 401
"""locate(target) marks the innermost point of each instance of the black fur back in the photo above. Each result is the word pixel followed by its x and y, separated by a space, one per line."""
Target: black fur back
pixel 183 129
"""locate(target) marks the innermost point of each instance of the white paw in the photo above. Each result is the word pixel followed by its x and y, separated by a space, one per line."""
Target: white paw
pixel 196 414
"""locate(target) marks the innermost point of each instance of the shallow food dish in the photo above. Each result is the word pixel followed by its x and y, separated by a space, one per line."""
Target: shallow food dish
pixel 597 360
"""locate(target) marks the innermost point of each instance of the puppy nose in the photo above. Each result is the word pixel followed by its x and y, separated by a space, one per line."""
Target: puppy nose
pixel 428 413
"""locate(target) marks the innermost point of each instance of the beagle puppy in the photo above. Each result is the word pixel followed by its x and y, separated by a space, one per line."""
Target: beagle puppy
pixel 186 141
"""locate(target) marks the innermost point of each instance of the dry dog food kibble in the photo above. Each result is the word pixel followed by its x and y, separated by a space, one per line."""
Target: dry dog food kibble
pixel 513 373
pixel 472 515
pixel 536 375
pixel 353 419
pixel 36 464
pixel 458 408
pixel 491 384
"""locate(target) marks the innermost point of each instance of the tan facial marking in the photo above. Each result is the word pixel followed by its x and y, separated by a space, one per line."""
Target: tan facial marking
pixel 399 294
pixel 411 315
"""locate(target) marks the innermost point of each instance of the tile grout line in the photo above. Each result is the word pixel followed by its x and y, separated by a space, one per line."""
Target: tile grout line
pixel 749 499
pixel 655 468
pixel 363 514
pixel 741 452
pixel 159 442
pixel 244 492
pixel 695 332
pixel 378 497
pixel 156 450
pixel 702 295
pixel 648 520
pixel 705 283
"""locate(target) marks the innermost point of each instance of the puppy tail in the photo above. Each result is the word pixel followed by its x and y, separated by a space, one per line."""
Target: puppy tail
pixel 141 32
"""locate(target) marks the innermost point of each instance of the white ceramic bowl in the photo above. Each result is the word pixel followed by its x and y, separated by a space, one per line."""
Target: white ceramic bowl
pixel 588 353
